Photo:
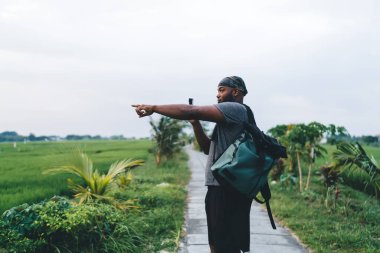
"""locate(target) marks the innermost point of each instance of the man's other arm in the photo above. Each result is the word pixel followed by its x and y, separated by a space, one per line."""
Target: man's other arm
pixel 202 139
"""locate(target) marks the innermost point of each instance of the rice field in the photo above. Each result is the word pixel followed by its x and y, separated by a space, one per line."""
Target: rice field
pixel 21 167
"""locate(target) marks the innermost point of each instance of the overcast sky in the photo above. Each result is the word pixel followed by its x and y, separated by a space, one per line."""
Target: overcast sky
pixel 75 67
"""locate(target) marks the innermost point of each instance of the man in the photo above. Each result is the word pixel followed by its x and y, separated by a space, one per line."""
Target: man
pixel 227 210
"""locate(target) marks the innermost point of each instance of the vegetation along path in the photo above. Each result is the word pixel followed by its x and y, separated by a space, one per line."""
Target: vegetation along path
pixel 263 238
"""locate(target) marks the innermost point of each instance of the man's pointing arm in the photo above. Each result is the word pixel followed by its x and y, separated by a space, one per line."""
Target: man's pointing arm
pixel 181 111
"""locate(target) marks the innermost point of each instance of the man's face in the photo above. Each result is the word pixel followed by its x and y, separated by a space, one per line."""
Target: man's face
pixel 225 94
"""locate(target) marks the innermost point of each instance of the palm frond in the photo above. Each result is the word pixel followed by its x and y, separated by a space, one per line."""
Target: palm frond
pixel 120 167
pixel 352 157
pixel 97 186
pixel 124 180
pixel 79 164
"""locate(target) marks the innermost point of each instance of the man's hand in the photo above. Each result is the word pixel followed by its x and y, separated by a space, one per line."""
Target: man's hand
pixel 143 110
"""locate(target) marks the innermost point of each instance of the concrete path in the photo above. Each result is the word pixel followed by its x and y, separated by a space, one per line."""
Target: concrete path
pixel 263 238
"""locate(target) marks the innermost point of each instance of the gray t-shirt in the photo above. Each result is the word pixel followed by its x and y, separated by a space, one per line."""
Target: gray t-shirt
pixel 225 133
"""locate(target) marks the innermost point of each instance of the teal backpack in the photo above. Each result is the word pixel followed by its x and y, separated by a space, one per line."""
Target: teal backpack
pixel 246 163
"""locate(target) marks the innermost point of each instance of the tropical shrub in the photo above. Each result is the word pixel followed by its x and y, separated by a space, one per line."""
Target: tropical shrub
pixel 97 186
pixel 352 157
pixel 59 225
pixel 331 178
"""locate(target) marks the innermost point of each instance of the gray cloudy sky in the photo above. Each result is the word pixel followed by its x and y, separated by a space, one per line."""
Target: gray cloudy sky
pixel 77 66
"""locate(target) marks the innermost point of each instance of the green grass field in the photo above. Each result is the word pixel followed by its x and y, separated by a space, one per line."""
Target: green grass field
pixel 21 168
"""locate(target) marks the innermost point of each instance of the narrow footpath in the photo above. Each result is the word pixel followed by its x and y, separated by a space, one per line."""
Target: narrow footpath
pixel 263 238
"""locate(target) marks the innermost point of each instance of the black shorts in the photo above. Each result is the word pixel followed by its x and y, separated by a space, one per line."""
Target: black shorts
pixel 227 219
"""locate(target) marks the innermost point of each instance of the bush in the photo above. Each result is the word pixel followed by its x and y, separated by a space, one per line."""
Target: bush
pixel 57 225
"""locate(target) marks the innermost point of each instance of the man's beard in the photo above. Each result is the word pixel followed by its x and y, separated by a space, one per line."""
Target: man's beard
pixel 228 98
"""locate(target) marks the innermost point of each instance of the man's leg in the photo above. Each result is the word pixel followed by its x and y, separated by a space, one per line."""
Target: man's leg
pixel 230 220
pixel 220 211
pixel 241 221
pixel 219 234
pixel 210 221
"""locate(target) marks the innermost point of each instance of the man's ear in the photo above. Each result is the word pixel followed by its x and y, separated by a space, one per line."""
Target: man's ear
pixel 235 92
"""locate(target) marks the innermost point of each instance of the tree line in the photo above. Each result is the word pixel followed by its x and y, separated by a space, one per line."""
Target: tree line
pixel 11 136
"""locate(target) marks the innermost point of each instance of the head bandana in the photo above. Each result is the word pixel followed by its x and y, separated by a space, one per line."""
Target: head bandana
pixel 234 82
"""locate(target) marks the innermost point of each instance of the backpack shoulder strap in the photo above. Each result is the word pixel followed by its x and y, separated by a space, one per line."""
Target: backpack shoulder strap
pixel 251 117
pixel 265 192
pixel 267 143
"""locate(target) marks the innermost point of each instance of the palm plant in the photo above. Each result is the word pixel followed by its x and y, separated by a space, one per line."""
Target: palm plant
pixel 97 186
pixel 352 156
pixel 167 137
